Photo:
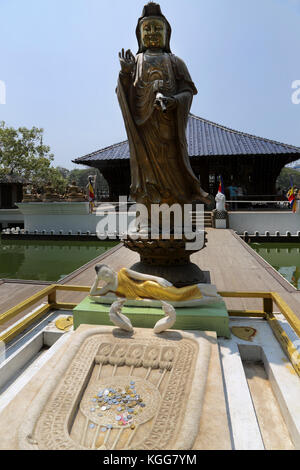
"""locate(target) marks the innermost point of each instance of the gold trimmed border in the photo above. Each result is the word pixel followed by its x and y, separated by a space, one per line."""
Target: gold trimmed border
pixel 268 298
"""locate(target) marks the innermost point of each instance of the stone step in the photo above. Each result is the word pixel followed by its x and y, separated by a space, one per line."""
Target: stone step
pixel 207 219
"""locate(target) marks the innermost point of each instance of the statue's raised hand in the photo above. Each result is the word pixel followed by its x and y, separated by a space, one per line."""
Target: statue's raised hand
pixel 127 61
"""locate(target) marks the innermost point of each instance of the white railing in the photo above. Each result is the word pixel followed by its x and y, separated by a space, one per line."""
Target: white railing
pixel 236 205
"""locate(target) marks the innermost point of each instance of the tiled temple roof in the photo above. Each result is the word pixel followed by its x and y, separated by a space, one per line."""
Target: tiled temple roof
pixel 204 138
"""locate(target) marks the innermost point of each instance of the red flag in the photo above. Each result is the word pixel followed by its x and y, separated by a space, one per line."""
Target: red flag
pixel 292 199
pixel 221 186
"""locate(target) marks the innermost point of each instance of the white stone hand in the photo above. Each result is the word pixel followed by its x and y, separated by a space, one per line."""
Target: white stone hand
pixel 164 283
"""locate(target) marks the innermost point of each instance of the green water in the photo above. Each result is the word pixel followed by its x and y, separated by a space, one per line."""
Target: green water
pixel 46 260
pixel 284 257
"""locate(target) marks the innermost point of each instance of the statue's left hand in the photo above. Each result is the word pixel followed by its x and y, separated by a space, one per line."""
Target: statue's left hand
pixel 169 102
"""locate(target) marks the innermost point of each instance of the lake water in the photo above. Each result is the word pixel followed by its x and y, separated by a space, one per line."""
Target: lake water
pixel 46 260
pixel 284 257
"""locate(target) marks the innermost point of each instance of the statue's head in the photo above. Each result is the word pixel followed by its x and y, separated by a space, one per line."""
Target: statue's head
pixel 104 272
pixel 220 202
pixel 153 29
pixel 220 197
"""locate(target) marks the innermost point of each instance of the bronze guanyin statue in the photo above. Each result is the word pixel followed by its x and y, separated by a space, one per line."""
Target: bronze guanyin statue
pixel 155 92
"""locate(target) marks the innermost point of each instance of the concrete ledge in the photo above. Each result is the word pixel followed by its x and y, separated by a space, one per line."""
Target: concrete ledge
pixel 284 381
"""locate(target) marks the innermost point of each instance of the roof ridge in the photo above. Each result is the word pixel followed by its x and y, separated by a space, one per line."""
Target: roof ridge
pixel 234 131
pixel 102 150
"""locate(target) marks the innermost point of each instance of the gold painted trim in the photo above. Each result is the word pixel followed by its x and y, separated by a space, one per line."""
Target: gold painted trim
pixel 246 295
pixel 72 288
pixel 11 313
pixel 287 312
pixel 63 306
pixel 285 342
pixel 247 313
pixel 19 327
pixel 269 298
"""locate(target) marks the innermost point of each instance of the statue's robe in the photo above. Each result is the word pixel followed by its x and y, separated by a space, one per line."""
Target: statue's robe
pixel 138 290
pixel 160 166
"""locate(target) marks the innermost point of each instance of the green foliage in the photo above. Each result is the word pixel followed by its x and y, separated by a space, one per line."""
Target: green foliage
pixel 80 176
pixel 63 171
pixel 58 182
pixel 23 153
pixel 283 180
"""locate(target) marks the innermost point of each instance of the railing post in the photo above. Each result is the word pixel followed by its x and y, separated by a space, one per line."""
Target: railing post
pixel 52 297
pixel 268 306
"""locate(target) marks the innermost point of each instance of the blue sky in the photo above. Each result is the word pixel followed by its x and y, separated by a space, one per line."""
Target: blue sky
pixel 59 61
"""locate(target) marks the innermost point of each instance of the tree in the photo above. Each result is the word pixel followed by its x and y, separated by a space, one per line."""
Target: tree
pixel 23 153
pixel 284 179
pixel 81 178
pixel 63 171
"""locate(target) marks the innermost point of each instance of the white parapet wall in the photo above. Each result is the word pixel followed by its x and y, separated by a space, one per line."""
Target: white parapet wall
pixel 11 216
pixel 65 218
pixel 72 218
pixel 262 222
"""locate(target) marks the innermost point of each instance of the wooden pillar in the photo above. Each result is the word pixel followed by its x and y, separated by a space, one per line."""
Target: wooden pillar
pixel 118 179
pixel 265 173
pixel 200 168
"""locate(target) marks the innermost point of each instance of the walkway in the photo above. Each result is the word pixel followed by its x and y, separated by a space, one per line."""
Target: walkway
pixel 232 264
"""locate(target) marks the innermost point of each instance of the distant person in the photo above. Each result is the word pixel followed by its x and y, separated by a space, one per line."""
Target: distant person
pixel 240 194
pixel 91 192
pixel 240 191
pixel 233 192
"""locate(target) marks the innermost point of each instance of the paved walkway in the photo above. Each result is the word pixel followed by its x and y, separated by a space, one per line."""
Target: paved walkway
pixel 234 266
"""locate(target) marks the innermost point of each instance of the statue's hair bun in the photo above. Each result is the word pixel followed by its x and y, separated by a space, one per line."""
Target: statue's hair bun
pixel 98 267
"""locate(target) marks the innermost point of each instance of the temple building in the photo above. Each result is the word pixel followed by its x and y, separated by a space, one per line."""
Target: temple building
pixel 243 160
pixel 11 191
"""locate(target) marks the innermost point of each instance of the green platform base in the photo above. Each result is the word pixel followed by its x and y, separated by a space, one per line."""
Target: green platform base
pixel 211 318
